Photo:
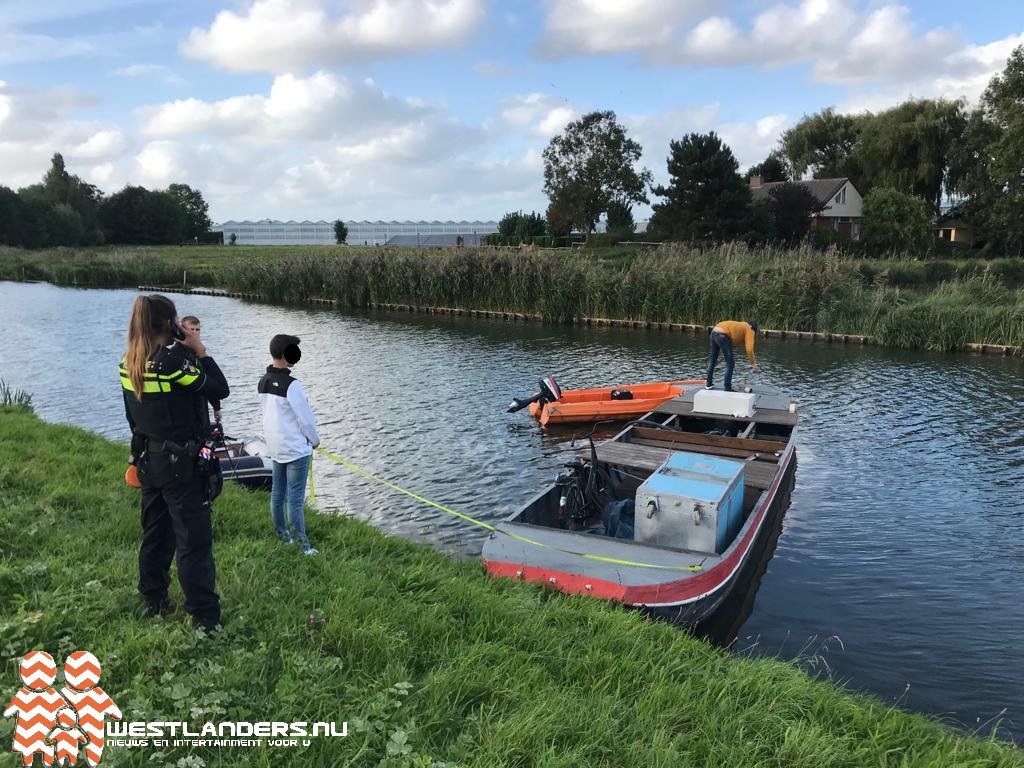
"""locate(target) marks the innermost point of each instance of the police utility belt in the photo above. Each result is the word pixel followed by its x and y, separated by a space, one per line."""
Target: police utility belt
pixel 186 460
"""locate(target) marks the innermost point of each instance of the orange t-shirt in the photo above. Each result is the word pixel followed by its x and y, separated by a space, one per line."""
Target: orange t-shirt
pixel 740 333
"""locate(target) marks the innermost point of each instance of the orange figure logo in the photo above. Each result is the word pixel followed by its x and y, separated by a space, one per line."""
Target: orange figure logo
pixel 35 705
pixel 66 737
pixel 82 677
pixel 48 722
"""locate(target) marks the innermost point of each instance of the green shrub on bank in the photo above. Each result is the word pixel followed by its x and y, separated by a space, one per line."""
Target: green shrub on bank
pixel 429 662
pixel 14 399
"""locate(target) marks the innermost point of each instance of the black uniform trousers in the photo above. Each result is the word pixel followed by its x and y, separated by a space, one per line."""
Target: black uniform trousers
pixel 176 523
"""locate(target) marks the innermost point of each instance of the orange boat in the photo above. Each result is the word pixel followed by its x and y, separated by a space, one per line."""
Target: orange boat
pixel 553 405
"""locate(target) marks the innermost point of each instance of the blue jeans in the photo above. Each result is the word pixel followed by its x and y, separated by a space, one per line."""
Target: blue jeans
pixel 290 479
pixel 721 342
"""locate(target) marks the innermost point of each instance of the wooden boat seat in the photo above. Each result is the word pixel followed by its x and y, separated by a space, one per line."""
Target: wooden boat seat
pixel 758 474
pixel 739 447
pixel 710 450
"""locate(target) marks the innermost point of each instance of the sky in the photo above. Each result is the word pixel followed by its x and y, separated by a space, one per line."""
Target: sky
pixel 440 109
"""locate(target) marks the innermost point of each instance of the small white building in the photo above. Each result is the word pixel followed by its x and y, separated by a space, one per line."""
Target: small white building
pixel 844 206
pixel 269 232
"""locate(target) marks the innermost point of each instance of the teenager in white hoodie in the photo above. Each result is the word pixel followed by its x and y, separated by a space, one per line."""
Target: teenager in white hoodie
pixel 289 428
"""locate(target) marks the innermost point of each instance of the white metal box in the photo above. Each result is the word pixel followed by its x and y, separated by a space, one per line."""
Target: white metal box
pixel 724 403
pixel 691 501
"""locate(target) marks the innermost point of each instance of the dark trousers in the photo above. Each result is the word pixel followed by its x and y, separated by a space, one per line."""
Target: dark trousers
pixel 720 342
pixel 176 523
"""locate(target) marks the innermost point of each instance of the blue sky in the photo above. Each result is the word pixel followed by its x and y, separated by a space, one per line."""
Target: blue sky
pixel 439 109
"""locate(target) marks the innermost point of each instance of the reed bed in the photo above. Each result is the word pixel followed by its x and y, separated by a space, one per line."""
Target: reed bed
pixel 939 305
pixel 14 399
pixel 432 664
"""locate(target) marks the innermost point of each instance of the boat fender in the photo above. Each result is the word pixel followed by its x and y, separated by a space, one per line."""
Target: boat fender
pixel 621 394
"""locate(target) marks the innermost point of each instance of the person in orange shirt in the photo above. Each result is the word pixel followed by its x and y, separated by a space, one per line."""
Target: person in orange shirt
pixel 723 336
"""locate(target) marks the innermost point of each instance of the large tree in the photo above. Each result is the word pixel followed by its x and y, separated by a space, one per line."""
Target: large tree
pixel 792 205
pixel 589 165
pixel 772 168
pixel 139 216
pixel 826 145
pixel 896 222
pixel 909 147
pixel 516 224
pixel 988 170
pixel 62 188
pixel 557 219
pixel 620 219
pixel 706 199
pixel 197 218
pixel 340 232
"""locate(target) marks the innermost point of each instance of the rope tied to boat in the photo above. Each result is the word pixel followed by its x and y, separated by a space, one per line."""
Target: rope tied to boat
pixel 481 524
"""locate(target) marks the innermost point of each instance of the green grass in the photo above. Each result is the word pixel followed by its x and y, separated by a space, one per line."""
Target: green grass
pixel 939 305
pixel 430 662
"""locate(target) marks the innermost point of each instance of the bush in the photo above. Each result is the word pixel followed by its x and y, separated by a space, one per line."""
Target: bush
pixel 897 223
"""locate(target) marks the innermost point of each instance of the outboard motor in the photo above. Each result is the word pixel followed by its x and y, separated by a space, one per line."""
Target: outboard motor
pixel 549 393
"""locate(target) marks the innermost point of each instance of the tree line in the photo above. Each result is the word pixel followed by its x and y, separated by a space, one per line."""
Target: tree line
pixel 64 210
pixel 905 160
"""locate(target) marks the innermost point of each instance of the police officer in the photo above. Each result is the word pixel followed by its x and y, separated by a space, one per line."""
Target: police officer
pixel 165 398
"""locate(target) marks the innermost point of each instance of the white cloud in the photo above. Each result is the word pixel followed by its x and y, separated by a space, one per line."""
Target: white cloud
pixel 885 48
pixel 292 35
pixel 35 123
pixel 320 107
pixel 102 144
pixel 963 74
pixel 575 27
pixel 17 47
pixel 543 115
pixel 877 51
pixel 101 175
pixel 5 104
pixel 971 69
pixel 150 71
pixel 23 13
pixel 780 35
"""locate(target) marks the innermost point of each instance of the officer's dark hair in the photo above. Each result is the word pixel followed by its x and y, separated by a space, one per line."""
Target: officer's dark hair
pixel 280 343
pixel 150 320
pixel 754 326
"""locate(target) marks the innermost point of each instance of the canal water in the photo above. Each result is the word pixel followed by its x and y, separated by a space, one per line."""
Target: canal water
pixel 898 570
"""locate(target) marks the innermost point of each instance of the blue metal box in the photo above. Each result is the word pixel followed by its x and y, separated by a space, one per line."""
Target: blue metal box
pixel 692 501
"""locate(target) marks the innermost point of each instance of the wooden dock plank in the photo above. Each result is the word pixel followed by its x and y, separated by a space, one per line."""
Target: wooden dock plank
pixel 678 407
pixel 758 474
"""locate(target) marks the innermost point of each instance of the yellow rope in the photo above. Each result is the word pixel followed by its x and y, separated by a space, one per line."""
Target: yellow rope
pixel 600 558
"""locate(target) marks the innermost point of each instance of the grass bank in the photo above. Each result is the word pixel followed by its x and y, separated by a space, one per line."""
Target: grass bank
pixel 938 305
pixel 429 662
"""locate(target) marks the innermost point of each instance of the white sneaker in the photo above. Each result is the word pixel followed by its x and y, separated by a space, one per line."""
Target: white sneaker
pixel 310 552
pixel 709 386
